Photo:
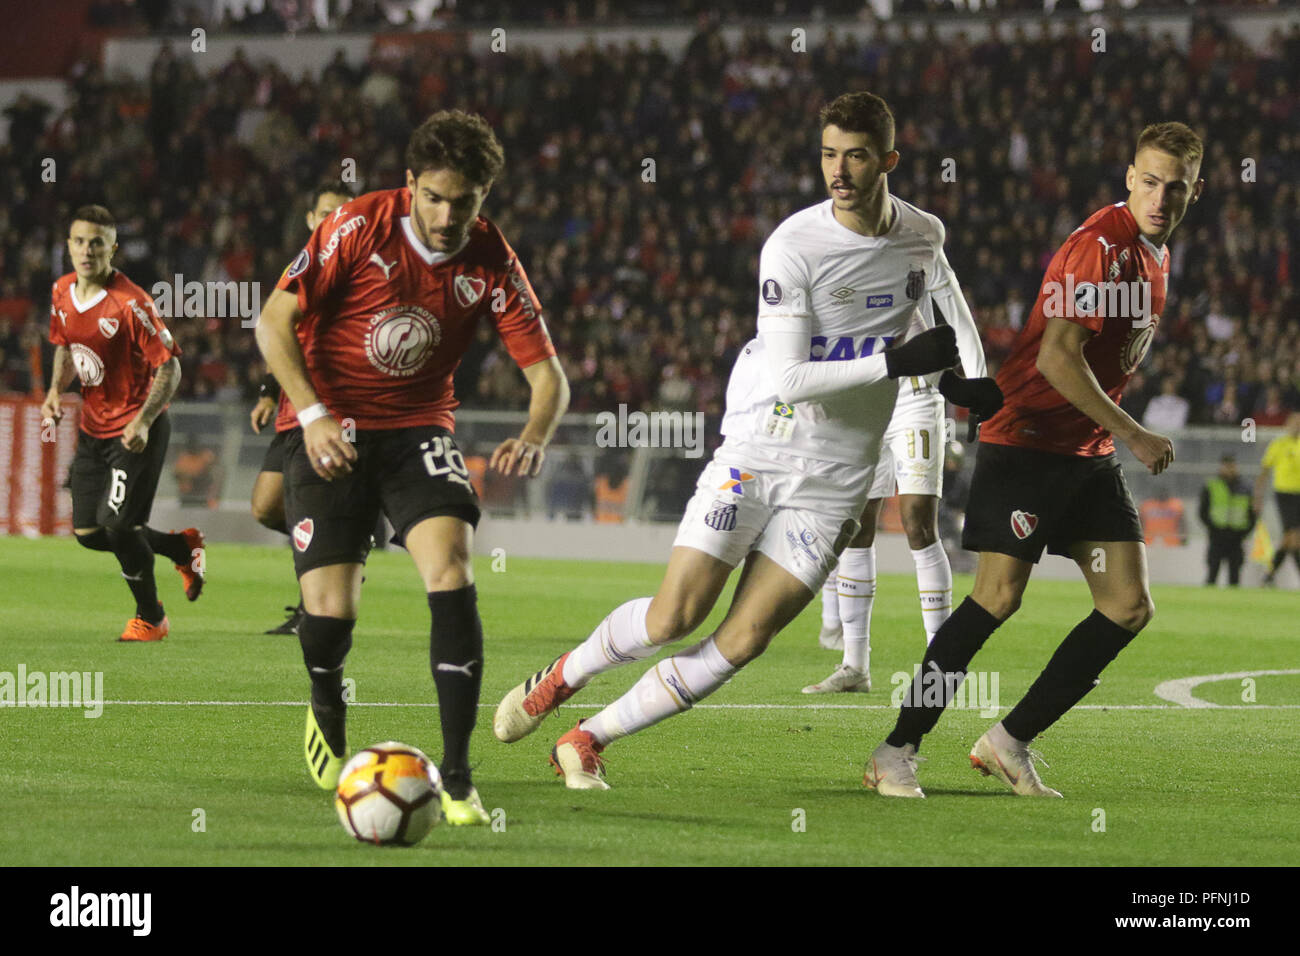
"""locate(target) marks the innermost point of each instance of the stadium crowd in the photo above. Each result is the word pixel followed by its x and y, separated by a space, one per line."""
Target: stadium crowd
pixel 647 270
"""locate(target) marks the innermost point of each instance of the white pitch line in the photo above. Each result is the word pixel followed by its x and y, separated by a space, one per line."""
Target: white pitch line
pixel 302 703
pixel 1180 691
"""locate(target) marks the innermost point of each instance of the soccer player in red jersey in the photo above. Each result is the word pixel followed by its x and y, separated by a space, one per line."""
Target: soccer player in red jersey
pixel 364 332
pixel 1046 473
pixel 268 488
pixel 108 333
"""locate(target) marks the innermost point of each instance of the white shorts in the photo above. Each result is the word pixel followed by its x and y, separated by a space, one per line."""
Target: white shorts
pixel 911 453
pixel 800 512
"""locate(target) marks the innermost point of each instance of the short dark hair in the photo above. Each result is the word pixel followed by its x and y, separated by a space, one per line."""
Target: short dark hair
pixel 462 142
pixel 861 113
pixel 336 186
pixel 98 215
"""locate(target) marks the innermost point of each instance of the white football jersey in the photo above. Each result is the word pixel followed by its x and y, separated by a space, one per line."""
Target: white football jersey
pixel 852 296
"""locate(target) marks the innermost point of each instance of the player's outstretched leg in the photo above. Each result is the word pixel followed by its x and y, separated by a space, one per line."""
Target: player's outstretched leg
pixel 631 632
pixel 856 593
pixel 767 598
pixel 619 639
pixel 832 632
pixel 187 550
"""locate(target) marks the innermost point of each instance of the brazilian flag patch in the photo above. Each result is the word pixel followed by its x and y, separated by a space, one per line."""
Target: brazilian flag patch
pixel 782 410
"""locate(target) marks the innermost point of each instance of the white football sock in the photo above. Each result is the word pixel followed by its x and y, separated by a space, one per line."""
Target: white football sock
pixel 619 639
pixel 831 602
pixel 673 685
pixel 934 582
pixel 857 591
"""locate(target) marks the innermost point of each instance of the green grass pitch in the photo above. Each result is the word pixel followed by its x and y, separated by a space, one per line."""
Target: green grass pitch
pixel 761 775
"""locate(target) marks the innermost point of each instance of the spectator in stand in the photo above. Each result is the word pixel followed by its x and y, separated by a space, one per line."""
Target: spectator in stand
pixel 1168 410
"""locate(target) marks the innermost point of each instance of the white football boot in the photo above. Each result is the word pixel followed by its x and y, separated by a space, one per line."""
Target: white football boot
pixel 998 754
pixel 891 771
pixel 845 679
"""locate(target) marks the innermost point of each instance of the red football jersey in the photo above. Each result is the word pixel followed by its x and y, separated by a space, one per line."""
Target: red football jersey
pixel 386 320
pixel 1111 280
pixel 117 340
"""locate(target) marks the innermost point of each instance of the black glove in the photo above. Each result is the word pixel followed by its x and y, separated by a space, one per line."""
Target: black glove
pixel 932 351
pixel 981 395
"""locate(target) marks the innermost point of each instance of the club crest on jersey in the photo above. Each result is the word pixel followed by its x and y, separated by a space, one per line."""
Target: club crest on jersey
pixel 401 339
pixel 1137 344
pixel 915 283
pixel 721 516
pixel 468 289
pixel 108 325
pixel 299 265
pixel 736 482
pixel 89 366
pixel 302 533
pixel 1023 524
pixel 772 293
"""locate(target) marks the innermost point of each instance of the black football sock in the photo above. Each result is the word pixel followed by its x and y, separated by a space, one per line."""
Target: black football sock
pixel 325 644
pixel 170 546
pixel 1068 676
pixel 97 540
pixel 1278 557
pixel 456 659
pixel 1295 554
pixel 136 558
pixel 955 643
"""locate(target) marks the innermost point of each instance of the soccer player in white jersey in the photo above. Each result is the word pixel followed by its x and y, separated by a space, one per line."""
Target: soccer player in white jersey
pixel 911 458
pixel 807 406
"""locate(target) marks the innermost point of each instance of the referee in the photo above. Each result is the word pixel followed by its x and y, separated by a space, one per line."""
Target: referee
pixel 1282 458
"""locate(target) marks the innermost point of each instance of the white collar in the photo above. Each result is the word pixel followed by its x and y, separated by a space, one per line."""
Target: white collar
pixel 424 252
pixel 94 299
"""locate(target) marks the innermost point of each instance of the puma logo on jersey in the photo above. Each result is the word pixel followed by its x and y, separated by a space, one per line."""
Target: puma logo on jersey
pixel 378 260
pixel 458 668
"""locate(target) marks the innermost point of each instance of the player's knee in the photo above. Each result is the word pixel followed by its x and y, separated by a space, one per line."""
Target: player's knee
pixel 739 647
pixel 449 576
pixel 1133 614
pixel 919 526
pixel 96 540
pixel 116 529
pixel 1001 600
pixel 666 623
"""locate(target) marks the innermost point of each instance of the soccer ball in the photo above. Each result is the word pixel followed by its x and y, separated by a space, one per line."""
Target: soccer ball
pixel 389 794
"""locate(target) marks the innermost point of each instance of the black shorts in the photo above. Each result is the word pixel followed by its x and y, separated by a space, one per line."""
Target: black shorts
pixel 274 460
pixel 1288 506
pixel 113 486
pixel 411 473
pixel 1023 500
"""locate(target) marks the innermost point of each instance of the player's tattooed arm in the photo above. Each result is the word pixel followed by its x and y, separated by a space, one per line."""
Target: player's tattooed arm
pixel 60 378
pixel 1061 361
pixel 550 399
pixel 166 380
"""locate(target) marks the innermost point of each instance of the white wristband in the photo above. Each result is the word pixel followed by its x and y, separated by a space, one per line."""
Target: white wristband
pixel 311 413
